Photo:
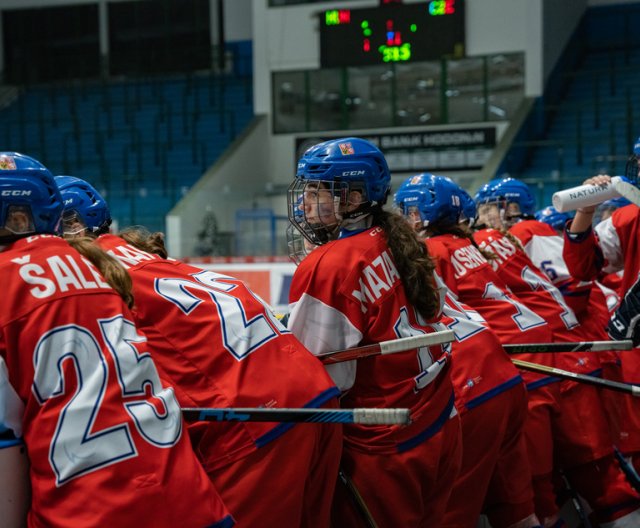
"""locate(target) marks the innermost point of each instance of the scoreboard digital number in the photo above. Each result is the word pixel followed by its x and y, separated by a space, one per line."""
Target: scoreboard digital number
pixel 395 33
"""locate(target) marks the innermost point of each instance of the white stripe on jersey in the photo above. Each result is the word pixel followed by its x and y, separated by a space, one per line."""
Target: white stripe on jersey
pixel 322 328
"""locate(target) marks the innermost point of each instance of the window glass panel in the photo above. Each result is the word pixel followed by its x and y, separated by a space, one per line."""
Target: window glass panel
pixel 465 90
pixel 418 94
pixel 506 85
pixel 279 3
pixel 289 102
pixel 399 94
pixel 327 105
pixel 369 97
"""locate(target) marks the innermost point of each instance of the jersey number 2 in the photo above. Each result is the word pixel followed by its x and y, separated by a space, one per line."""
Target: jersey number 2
pixel 77 446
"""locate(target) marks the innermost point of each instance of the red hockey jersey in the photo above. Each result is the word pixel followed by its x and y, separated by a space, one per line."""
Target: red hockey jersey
pixel 535 290
pixel 220 346
pixel 104 437
pixel 480 368
pixel 545 249
pixel 348 297
pixel 470 277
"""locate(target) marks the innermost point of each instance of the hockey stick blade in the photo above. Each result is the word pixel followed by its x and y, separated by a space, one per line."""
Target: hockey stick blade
pixel 628 190
pixel 393 346
pixel 617 386
pixel 587 346
pixel 369 416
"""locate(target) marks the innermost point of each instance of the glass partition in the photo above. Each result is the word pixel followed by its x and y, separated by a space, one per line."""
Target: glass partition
pixel 476 89
pixel 465 91
pixel 369 96
pixel 505 84
pixel 418 88
pixel 328 100
pixel 290 111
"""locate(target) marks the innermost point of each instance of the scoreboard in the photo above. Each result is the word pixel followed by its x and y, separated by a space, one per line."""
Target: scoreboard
pixel 394 33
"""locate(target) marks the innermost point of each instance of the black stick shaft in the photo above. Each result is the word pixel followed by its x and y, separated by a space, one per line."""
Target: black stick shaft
pixel 362 415
pixel 356 498
pixel 586 346
pixel 627 388
pixel 628 470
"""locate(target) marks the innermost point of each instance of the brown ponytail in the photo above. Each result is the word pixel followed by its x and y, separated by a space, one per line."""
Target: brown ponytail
pixel 412 260
pixel 512 238
pixel 142 239
pixel 109 267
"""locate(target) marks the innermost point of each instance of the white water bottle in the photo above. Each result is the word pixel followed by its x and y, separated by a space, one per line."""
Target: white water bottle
pixel 584 195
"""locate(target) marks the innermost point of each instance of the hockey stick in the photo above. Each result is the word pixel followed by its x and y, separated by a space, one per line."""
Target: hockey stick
pixel 627 388
pixel 368 416
pixel 576 502
pixel 628 190
pixel 627 468
pixel 388 347
pixel 584 346
pixel 357 499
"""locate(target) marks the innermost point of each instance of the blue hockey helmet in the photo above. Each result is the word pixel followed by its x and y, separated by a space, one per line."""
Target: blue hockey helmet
pixel 352 160
pixel 633 164
pixel 615 203
pixel 515 191
pixel 550 215
pixel 83 206
pixel 484 192
pixel 30 202
pixel 435 199
pixel 336 168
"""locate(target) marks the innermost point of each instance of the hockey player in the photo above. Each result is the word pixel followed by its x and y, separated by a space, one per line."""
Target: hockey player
pixel 608 283
pixel 509 203
pixel 495 477
pixel 611 247
pixel 104 437
pixel 369 280
pixel 606 209
pixel 220 346
pixel 596 249
pixel 611 282
pixel 433 204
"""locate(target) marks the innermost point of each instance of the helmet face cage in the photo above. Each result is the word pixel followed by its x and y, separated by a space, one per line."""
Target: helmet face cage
pixel 72 223
pixel 316 207
pixel 409 201
pixel 513 198
pixel 491 213
pixel 632 169
pixel 298 245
